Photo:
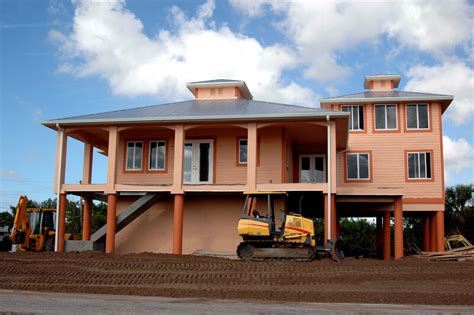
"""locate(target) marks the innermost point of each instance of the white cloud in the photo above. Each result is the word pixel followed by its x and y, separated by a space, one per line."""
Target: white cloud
pixel 458 155
pixel 321 30
pixel 453 78
pixel 108 40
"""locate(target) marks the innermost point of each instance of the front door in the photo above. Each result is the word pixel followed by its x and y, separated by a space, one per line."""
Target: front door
pixel 312 168
pixel 198 161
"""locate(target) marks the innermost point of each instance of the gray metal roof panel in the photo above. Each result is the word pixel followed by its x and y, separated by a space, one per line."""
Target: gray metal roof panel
pixel 239 109
pixel 368 95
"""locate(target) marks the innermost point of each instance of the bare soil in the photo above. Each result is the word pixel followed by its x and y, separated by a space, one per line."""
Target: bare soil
pixel 407 281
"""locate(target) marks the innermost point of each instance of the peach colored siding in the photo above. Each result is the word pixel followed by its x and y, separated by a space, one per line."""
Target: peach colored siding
pixel 270 155
pixel 217 93
pixel 388 156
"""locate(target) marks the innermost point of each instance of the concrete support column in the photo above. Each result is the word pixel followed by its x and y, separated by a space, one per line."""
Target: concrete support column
pixel 440 231
pixel 426 233
pixel 61 224
pixel 326 223
pixel 87 164
pixel 111 223
pixel 333 217
pixel 386 236
pixel 112 159
pixel 179 136
pixel 252 157
pixel 87 219
pixel 178 224
pixel 379 236
pixel 398 227
pixel 433 233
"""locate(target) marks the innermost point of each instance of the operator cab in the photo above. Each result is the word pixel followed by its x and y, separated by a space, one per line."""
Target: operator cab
pixel 260 207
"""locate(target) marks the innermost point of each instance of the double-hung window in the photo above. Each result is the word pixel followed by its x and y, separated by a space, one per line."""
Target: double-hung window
pixel 242 151
pixel 356 119
pixel 134 155
pixel 358 166
pixel 418 116
pixel 157 155
pixel 419 165
pixel 386 117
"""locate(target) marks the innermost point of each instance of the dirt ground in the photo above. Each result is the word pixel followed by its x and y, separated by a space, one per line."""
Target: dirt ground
pixel 407 281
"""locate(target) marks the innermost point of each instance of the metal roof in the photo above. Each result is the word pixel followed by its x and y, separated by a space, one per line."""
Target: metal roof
pixel 386 96
pixel 377 77
pixel 200 110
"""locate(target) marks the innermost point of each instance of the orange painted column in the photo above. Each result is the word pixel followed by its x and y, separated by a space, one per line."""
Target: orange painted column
pixel 111 223
pixel 338 227
pixel 379 236
pixel 386 236
pixel 433 233
pixel 426 233
pixel 398 228
pixel 178 224
pixel 333 217
pixel 440 231
pixel 252 156
pixel 62 222
pixel 326 207
pixel 87 219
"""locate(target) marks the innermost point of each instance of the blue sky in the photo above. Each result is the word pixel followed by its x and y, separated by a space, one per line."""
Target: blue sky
pixel 61 58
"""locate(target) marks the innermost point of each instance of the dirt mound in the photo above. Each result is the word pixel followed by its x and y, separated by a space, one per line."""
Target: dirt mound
pixel 408 281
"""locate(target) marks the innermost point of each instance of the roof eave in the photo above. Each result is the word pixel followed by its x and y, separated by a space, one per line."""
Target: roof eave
pixel 384 99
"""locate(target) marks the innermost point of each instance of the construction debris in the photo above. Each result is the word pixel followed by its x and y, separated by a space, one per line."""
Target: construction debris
pixel 457 254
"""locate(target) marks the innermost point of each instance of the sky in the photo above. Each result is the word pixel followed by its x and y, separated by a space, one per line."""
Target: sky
pixel 62 58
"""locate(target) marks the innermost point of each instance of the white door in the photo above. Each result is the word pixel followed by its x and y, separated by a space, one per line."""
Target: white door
pixel 198 162
pixel 312 168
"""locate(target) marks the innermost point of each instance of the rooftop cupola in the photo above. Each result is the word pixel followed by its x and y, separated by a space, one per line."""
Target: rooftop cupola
pixel 219 89
pixel 381 82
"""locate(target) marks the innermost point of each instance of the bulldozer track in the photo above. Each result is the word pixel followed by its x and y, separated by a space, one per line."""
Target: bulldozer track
pixel 408 281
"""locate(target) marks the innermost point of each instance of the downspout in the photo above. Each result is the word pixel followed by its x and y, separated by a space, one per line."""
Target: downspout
pixel 60 162
pixel 329 175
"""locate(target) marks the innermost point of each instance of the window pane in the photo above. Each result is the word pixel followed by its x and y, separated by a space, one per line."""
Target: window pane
pixel 411 116
pixel 348 110
pixel 422 165
pixel 411 165
pixel 305 163
pixel 428 165
pixel 130 155
pixel 355 117
pixel 361 117
pixel 204 162
pixel 423 116
pixel 417 165
pixel 153 151
pixel 161 155
pixel 188 156
pixel 352 166
pixel 363 166
pixel 391 117
pixel 379 117
pixel 138 155
pixel 305 174
pixel 243 151
pixel 319 169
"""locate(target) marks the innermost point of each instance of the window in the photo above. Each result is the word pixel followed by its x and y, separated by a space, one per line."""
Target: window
pixel 358 166
pixel 134 155
pixel 386 117
pixel 242 151
pixel 312 168
pixel 419 165
pixel 356 120
pixel 156 161
pixel 417 116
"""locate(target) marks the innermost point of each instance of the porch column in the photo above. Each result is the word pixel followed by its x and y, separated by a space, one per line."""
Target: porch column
pixel 333 217
pixel 326 222
pixel 178 224
pixel 379 236
pixel 87 219
pixel 112 159
pixel 87 164
pixel 386 236
pixel 111 223
pixel 252 156
pixel 440 231
pixel 433 233
pixel 61 222
pixel 178 158
pixel 60 172
pixel 398 227
pixel 426 233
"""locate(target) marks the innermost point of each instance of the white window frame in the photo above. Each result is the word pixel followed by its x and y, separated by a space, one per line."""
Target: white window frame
pixel 238 153
pixel 133 158
pixel 418 154
pixel 358 166
pixel 149 156
pixel 358 116
pixel 418 116
pixel 386 117
pixel 312 167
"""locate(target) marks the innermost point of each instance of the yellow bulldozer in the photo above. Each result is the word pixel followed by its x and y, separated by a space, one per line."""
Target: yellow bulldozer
pixel 294 238
pixel 33 228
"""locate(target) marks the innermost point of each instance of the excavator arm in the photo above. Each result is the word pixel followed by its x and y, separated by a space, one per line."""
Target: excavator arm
pixel 21 230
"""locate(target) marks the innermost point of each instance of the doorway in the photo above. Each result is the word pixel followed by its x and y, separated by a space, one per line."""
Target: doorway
pixel 198 161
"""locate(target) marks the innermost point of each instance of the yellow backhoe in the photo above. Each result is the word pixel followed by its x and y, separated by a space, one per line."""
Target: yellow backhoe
pixel 294 238
pixel 34 228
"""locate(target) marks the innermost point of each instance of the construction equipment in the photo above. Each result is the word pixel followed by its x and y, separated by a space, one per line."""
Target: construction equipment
pixel 34 228
pixel 295 238
pixel 455 241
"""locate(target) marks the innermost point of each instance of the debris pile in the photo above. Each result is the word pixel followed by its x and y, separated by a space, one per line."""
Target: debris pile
pixel 457 254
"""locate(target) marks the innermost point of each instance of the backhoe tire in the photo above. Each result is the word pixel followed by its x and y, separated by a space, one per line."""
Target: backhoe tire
pixel 245 251
pixel 49 245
